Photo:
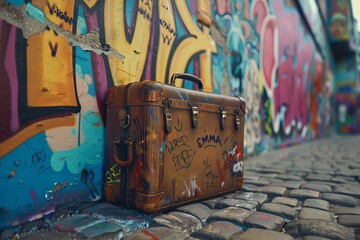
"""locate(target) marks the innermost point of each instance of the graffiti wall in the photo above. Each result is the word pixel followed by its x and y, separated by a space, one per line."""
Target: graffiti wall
pixel 58 59
pixel 346 95
pixel 338 19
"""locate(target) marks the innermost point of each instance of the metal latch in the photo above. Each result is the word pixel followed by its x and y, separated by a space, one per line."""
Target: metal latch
pixel 194 114
pixel 222 117
pixel 167 114
pixel 124 118
pixel 237 118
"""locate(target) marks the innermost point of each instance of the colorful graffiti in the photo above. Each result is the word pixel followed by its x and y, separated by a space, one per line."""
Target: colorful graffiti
pixel 346 96
pixel 338 19
pixel 54 83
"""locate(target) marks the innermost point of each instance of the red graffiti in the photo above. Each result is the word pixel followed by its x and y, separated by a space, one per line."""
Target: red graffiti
pixel 230 158
pixel 317 86
pixel 286 61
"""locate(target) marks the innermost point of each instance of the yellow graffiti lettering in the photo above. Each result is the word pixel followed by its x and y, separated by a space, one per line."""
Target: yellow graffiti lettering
pixel 50 77
pixel 198 42
pixel 113 175
pixel 167 35
pixel 135 51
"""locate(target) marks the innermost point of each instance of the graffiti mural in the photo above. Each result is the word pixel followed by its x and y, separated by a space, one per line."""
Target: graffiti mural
pixel 59 58
pixel 339 19
pixel 289 70
pixel 346 96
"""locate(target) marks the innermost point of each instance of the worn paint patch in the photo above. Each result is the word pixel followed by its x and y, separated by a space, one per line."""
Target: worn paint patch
pixel 90 151
pixel 35 12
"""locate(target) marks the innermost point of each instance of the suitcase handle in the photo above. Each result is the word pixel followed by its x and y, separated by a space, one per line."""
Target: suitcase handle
pixel 130 149
pixel 186 76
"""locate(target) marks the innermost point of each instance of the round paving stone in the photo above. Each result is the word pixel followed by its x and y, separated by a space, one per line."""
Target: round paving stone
pixel 265 221
pixel 292 202
pixel 198 210
pixel 338 210
pixel 260 234
pixel 260 198
pixel 287 184
pixel 347 191
pixel 349 220
pixel 317 203
pixel 319 228
pixel 157 233
pixel 231 214
pixel 339 199
pixel 310 213
pixel 217 231
pixel 177 220
pixel 212 202
pixel 272 191
pixel 279 210
pixel 44 234
pixel 315 238
pixel 317 187
pixel 303 193
pixel 228 202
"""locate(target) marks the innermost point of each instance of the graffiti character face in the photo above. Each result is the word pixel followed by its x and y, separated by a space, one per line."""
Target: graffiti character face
pixel 338 26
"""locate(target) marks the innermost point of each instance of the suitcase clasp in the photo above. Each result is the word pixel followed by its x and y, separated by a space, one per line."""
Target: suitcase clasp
pixel 124 118
pixel 168 116
pixel 194 114
pixel 222 117
pixel 237 119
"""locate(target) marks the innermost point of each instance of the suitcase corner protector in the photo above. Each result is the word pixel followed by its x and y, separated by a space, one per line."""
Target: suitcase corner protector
pixel 239 182
pixel 149 203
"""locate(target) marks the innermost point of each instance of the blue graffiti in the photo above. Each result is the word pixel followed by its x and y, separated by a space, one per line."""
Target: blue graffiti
pixel 90 151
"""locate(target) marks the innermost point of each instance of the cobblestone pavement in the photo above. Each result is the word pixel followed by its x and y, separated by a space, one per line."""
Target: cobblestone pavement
pixel 310 191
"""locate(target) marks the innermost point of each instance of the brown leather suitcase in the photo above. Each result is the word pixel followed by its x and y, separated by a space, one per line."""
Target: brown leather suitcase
pixel 167 146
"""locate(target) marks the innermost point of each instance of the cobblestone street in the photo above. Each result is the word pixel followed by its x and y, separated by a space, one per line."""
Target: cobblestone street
pixel 309 191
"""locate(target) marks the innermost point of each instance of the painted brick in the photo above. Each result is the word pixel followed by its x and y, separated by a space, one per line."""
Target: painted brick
pixel 104 229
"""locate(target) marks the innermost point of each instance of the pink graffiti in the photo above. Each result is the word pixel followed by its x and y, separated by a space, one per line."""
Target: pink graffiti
pixel 258 11
pixel 8 79
pixel 223 6
pixel 286 61
pixel 97 62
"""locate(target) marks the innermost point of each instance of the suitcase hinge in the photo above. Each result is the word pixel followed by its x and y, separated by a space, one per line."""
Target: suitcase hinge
pixel 167 114
pixel 237 118
pixel 222 117
pixel 124 118
pixel 194 114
